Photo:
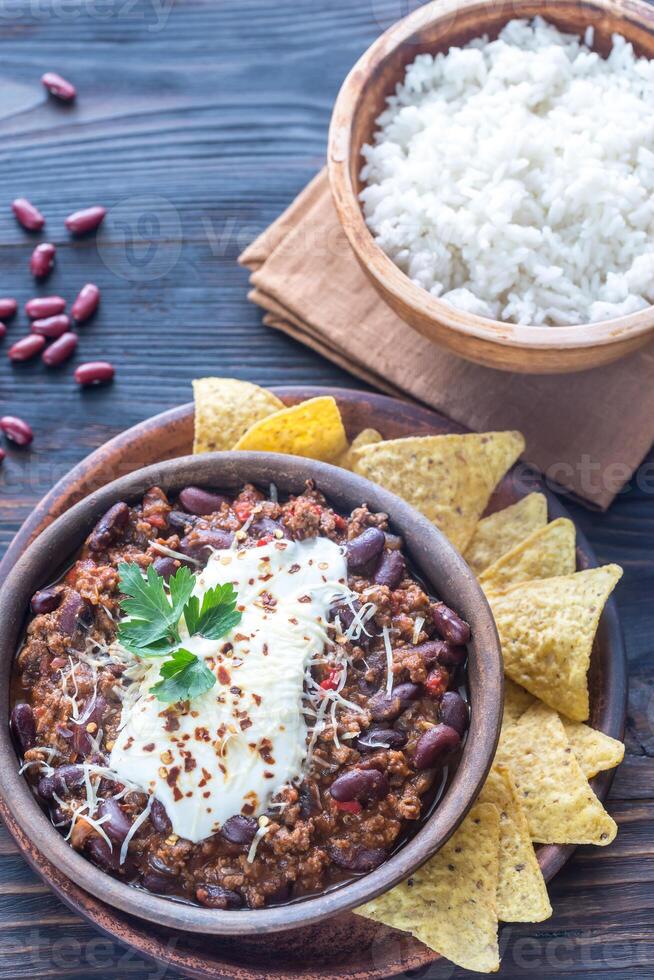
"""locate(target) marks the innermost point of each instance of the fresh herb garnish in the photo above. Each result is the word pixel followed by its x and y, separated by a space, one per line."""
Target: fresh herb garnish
pixel 152 631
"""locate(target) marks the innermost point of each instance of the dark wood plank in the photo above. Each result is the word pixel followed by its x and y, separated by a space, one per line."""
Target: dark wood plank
pixel 219 108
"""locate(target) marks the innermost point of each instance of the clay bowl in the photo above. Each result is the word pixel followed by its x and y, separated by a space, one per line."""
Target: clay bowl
pixel 434 558
pixel 434 28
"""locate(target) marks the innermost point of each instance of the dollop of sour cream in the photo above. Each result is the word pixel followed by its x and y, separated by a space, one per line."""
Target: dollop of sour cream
pixel 232 749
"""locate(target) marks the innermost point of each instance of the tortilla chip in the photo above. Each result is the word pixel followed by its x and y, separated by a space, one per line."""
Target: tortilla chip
pixel 521 890
pixel 548 552
pixel 226 408
pixel 365 438
pixel 313 428
pixel 516 701
pixel 560 806
pixel 595 752
pixel 547 628
pixel 502 531
pixel 450 904
pixel 448 478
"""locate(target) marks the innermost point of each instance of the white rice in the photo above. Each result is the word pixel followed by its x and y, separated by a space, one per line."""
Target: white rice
pixel 515 178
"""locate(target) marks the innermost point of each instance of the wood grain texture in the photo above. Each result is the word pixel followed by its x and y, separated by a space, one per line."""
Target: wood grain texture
pixel 223 112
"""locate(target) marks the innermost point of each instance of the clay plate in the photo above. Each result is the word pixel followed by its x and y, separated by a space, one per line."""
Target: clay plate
pixel 346 945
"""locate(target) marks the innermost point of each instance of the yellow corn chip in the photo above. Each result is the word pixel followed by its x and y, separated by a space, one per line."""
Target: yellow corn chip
pixel 313 428
pixel 560 806
pixel 521 890
pixel 226 408
pixel 450 903
pixel 365 438
pixel 545 553
pixel 547 628
pixel 448 478
pixel 595 752
pixel 516 701
pixel 502 531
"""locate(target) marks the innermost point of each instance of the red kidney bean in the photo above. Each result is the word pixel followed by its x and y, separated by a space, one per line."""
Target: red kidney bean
pixel 117 825
pixel 159 818
pixel 42 260
pixel 3 330
pixel 381 738
pixel 52 326
pixel 179 522
pixel 26 348
pixel 158 883
pixel 61 350
pixel 86 303
pixel 361 785
pixel 454 712
pixel 81 744
pixel 216 897
pixel 42 306
pixel 449 624
pixel 435 745
pixel 367 546
pixel 384 708
pixel 160 866
pixel 166 567
pixel 23 725
pixel 17 430
pixel 357 858
pixel 199 544
pixel 390 570
pixel 2 455
pixel 74 612
pixel 439 652
pixel 94 373
pixel 201 502
pixel 81 222
pixel 239 829
pixel 27 215
pixel 61 781
pixel 109 528
pixel 102 854
pixel 46 601
pixel 310 805
pixel 264 527
pixel 8 307
pixel 60 87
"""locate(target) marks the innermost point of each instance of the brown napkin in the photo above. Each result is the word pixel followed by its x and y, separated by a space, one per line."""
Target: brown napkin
pixel 587 431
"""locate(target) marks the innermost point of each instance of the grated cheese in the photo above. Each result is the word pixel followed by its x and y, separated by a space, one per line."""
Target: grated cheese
pixel 389 661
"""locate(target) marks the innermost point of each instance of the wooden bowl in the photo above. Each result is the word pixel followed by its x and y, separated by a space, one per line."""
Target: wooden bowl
pixel 434 28
pixel 435 559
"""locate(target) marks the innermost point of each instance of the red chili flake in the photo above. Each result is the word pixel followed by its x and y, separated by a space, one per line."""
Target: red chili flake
pixel 223 675
pixel 436 683
pixel 350 806
pixel 243 511
pixel 157 520
pixel 330 683
pixel 340 522
pixel 266 539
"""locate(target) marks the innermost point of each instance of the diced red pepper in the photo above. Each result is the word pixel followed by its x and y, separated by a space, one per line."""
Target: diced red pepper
pixel 351 806
pixel 266 539
pixel 157 520
pixel 436 683
pixel 340 522
pixel 330 683
pixel 243 510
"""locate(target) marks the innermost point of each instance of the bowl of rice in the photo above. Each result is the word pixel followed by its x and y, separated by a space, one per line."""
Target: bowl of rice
pixel 492 166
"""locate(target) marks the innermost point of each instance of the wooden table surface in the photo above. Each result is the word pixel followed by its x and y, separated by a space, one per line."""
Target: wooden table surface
pixel 197 122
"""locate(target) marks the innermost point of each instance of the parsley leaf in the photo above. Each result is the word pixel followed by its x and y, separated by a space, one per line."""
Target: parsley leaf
pixel 217 615
pixel 153 618
pixel 184 677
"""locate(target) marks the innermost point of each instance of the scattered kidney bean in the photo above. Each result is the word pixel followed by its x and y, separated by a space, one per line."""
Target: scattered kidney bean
pixel 23 725
pixel 16 429
pixel 381 738
pixel 61 350
pixel 201 502
pixel 52 326
pixel 81 222
pixel 26 348
pixel 109 527
pixel 449 625
pixel 94 373
pixel 159 818
pixel 390 570
pixel 74 612
pixel 86 303
pixel 454 712
pixel 8 307
pixel 216 897
pixel 166 567
pixel 367 546
pixel 27 215
pixel 435 745
pixel 239 829
pixel 42 306
pixel 117 825
pixel 46 601
pixel 60 87
pixel 199 544
pixel 384 708
pixel 357 858
pixel 42 260
pixel 361 785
